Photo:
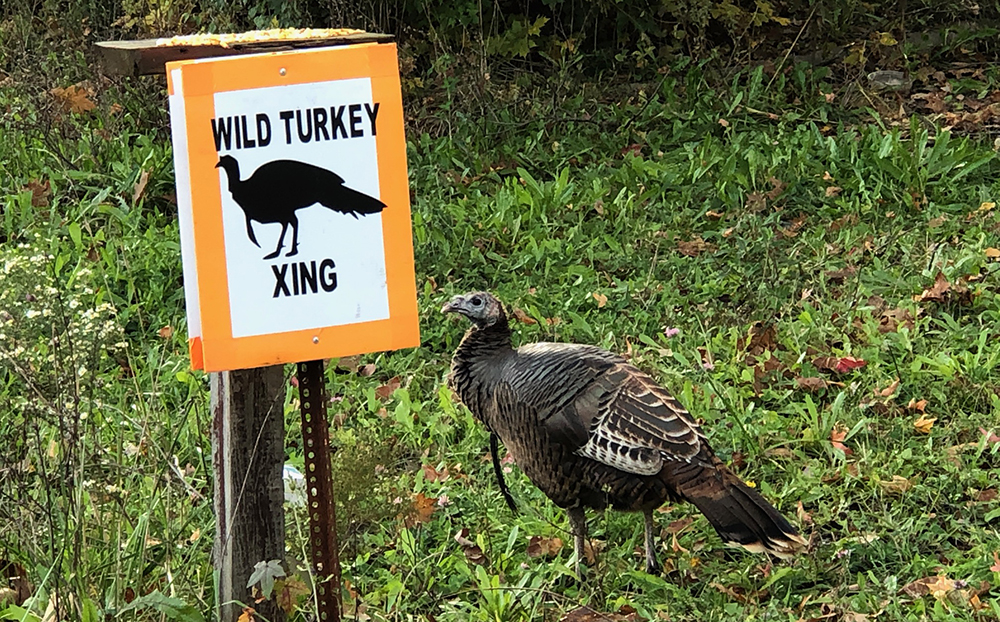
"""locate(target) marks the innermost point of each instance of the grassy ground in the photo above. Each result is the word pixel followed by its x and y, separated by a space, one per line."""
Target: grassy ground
pixel 822 292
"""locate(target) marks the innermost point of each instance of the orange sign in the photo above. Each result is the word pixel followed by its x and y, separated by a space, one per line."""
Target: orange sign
pixel 293 206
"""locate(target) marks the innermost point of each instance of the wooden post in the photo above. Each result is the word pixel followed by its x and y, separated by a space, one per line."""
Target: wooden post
pixel 248 439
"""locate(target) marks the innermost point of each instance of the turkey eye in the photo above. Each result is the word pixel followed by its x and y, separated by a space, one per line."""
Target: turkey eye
pixel 477 301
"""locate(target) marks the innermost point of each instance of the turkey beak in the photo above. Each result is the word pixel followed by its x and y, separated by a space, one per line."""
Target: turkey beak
pixel 454 305
pixel 218 164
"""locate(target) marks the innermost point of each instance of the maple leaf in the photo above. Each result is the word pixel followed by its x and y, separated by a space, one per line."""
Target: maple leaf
pixel 523 317
pixel 265 573
pixel 924 424
pixel 544 547
pixel 837 436
pixel 601 299
pixel 288 591
pixel 386 390
pixel 423 508
pixel 74 98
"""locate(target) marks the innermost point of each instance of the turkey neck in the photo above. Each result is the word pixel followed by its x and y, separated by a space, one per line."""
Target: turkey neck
pixel 477 365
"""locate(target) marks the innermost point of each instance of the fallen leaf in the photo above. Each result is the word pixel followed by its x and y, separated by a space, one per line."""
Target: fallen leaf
pixel 848 363
pixel 288 591
pixel 473 552
pixel 728 232
pixel 247 615
pixel 386 390
pixel 804 517
pixel 195 535
pixel 833 191
pixel 991 438
pixel 897 485
pixel 523 317
pixel 889 390
pixel 591 549
pixel 433 475
pixel 916 405
pixel 166 332
pixel 812 384
pixel 367 370
pixel 777 187
pixel 934 223
pixel 74 99
pixel 350 363
pixel 140 186
pixel 839 276
pixel 993 253
pixel 423 508
pixel 890 320
pixel 827 176
pixel 694 247
pixel 756 201
pixel 996 562
pixel 544 547
pixel 40 192
pixel 985 496
pixel 714 215
pixel 723 123
pixel 936 292
pixel 761 339
pixel 837 436
pixel 601 299
pixel 679 525
pixel 924 424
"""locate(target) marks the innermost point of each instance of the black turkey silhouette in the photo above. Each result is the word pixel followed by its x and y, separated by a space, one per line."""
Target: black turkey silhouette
pixel 277 189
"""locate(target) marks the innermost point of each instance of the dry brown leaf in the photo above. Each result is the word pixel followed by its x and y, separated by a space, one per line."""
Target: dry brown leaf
pixel 601 299
pixel 473 552
pixel 777 187
pixel 679 525
pixel 433 475
pixel 889 390
pixel 936 292
pixel 728 232
pixel 993 253
pixel 897 485
pixel 74 99
pixel 423 508
pixel 833 191
pixel 386 390
pixel 714 215
pixel 827 176
pixel 916 405
pixel 756 201
pixel 544 547
pixel 591 549
pixel 812 384
pixel 892 319
pixel 838 276
pixel 367 370
pixel 694 247
pixel 40 192
pixel 723 123
pixel 350 363
pixel 934 223
pixel 837 436
pixel 288 591
pixel 523 317
pixel 247 615
pixel 804 517
pixel 996 562
pixel 924 424
pixel 140 186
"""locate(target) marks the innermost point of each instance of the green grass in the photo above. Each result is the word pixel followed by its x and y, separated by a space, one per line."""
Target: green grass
pixel 552 214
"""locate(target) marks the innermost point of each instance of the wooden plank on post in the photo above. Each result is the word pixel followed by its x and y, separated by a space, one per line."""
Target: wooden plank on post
pixel 248 437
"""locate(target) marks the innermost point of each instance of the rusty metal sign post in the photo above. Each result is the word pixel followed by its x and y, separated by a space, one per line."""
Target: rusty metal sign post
pixel 319 486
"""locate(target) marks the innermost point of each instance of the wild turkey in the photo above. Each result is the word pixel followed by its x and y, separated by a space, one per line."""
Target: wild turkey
pixel 592 431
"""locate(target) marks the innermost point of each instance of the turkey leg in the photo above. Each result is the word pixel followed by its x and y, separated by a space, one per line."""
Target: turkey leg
pixel 652 566
pixel 578 525
pixel 281 240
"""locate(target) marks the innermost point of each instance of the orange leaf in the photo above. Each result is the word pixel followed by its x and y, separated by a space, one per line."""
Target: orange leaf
pixel 387 389
pixel 74 99
pixel 247 615
pixel 601 299
pixel 936 292
pixel 544 547
pixel 433 475
pixel 837 436
pixel 924 424
pixel 889 390
pixel 166 332
pixel 40 192
pixel 993 253
pixel 916 405
pixel 523 317
pixel 423 508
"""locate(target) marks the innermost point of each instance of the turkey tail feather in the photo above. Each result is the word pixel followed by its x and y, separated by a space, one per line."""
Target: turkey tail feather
pixel 350 201
pixel 740 515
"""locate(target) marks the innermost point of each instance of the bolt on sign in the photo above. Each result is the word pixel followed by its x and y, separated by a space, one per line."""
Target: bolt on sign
pixel 293 206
